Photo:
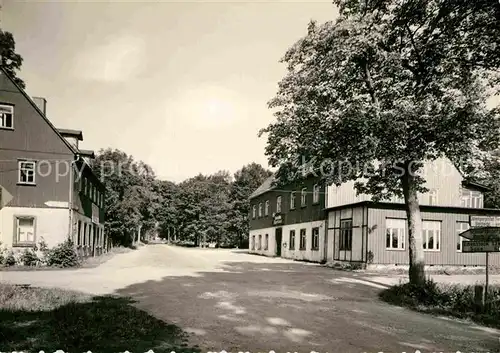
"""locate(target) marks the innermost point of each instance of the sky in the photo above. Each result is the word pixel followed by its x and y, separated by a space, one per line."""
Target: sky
pixel 181 85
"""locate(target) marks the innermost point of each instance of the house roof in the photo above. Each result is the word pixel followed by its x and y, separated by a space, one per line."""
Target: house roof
pixel 71 133
pixel 33 104
pixel 264 187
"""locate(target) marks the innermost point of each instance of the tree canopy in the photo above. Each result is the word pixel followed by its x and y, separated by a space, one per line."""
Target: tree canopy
pixel 10 61
pixel 384 88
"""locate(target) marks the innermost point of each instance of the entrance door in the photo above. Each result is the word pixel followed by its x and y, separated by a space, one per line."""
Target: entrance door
pixel 278 236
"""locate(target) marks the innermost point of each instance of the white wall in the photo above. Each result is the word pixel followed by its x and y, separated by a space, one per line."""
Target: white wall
pixel 440 174
pixel 307 254
pixel 271 249
pixel 51 223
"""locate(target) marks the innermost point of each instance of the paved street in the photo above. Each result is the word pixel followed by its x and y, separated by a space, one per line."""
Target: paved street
pixel 238 302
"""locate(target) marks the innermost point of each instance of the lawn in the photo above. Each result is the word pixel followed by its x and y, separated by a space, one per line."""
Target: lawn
pixel 34 319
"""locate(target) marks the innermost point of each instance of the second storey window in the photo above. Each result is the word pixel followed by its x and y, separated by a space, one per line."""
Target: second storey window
pixel 471 199
pixel 26 172
pixel 6 116
pixel 278 204
pixel 303 197
pixel 316 193
pixel 292 200
pixel 254 210
pixel 260 209
pixel 433 197
pixel 266 208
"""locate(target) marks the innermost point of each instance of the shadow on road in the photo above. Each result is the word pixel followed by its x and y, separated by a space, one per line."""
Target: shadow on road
pixel 105 324
pixel 295 308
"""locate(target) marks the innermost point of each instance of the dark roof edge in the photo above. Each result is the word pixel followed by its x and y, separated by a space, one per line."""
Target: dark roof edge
pixel 394 205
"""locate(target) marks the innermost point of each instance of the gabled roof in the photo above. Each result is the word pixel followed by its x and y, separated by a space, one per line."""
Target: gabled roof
pixel 33 104
pixel 71 133
pixel 266 186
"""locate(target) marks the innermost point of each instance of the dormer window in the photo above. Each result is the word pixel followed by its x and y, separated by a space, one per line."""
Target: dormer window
pixel 6 116
pixel 471 199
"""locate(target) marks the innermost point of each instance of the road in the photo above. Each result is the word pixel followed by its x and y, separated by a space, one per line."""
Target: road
pixel 238 302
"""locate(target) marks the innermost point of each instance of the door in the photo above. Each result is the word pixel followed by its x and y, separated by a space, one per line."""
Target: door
pixel 278 236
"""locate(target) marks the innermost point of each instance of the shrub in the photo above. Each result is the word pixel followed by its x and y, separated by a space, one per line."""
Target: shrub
pixel 63 255
pixel 29 258
pixel 10 260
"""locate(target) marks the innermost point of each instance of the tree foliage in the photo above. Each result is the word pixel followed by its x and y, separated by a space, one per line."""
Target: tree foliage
pixel 201 209
pixel 383 89
pixel 10 61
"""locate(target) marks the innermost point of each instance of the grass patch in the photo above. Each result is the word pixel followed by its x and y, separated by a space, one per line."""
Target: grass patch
pixel 34 319
pixel 449 300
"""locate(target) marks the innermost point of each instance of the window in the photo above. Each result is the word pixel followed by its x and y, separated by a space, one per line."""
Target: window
pixel 266 242
pixel 25 230
pixel 254 209
pixel 78 235
pixel 316 193
pixel 253 242
pixel 260 209
pixel 471 199
pixel 461 227
pixel 292 240
pixel 346 235
pixel 395 234
pixel 431 234
pixel 302 245
pixel 315 238
pixel 26 172
pixel 266 208
pixel 303 197
pixel 84 235
pixel 259 244
pixel 278 204
pixel 292 200
pixel 6 116
pixel 433 197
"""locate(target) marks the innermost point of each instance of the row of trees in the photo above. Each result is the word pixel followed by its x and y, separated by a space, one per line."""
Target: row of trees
pixel 205 208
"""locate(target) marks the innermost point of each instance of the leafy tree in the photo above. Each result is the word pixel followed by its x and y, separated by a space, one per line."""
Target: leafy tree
pixel 10 61
pixel 246 181
pixel 131 199
pixel 383 89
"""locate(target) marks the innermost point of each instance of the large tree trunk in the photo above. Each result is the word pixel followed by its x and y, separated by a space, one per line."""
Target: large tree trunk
pixel 416 250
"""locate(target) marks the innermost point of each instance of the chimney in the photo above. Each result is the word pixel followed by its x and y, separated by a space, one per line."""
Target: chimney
pixel 41 103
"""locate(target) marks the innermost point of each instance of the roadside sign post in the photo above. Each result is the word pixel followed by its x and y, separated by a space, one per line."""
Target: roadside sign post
pixel 483 236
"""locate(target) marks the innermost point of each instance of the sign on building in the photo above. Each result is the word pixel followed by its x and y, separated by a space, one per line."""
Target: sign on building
pixel 484 221
pixel 480 246
pixel 482 234
pixel 278 219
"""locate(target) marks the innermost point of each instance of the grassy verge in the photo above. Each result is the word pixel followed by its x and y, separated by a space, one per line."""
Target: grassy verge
pixel 448 300
pixel 34 319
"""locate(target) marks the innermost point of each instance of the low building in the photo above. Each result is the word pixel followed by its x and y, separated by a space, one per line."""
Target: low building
pixel 354 229
pixel 52 191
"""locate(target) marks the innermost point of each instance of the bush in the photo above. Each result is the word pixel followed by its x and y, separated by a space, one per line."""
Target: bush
pixel 29 258
pixel 63 255
pixel 10 260
pixel 452 300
